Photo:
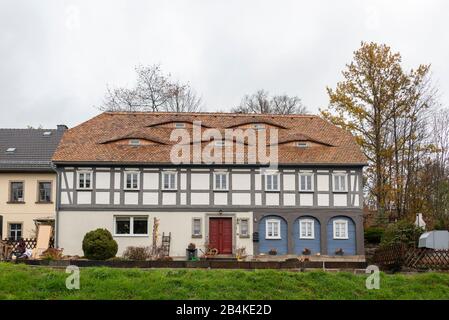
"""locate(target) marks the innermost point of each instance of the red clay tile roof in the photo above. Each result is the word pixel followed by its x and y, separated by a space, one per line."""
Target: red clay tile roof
pixel 91 141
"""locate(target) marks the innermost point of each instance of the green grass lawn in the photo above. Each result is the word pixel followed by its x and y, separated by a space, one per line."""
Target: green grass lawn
pixel 25 282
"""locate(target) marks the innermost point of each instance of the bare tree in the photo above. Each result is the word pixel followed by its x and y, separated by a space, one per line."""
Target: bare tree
pixel 261 102
pixel 154 91
pixel 182 98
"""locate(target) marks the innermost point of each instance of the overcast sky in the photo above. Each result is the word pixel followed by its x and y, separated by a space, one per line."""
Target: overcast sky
pixel 56 57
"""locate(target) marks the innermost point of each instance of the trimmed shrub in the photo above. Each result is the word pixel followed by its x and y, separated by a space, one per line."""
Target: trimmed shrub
pixel 374 234
pixel 401 232
pixel 137 253
pixel 99 245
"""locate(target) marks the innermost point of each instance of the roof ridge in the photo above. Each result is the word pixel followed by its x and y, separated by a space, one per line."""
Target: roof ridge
pixel 234 114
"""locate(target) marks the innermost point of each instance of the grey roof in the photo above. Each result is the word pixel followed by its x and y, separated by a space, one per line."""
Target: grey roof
pixel 33 149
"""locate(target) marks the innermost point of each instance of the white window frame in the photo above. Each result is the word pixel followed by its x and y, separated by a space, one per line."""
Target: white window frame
pixel 226 188
pixel 277 223
pixel 244 235
pixel 278 182
pixel 200 234
pixel 78 173
pixel 134 142
pixel 311 175
pixel 312 222
pixel 345 176
pixel 346 229
pixel 175 182
pixel 137 173
pixel 131 227
pixel 15 230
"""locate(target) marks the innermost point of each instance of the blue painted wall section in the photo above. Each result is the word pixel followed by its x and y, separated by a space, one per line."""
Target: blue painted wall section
pixel 266 245
pixel 312 244
pixel 348 245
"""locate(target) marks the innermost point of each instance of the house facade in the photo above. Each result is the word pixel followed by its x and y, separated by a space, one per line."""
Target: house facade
pixel 27 180
pixel 116 171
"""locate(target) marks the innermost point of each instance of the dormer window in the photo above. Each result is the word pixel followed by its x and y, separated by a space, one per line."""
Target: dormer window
pixel 134 142
pixel 11 150
pixel 301 144
pixel 259 126
pixel 219 143
pixel 47 133
pixel 180 125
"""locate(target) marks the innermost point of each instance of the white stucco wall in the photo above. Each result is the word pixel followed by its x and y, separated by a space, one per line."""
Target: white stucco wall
pixel 73 225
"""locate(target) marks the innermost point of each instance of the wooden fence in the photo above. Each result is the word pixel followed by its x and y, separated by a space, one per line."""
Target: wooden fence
pixel 29 243
pixel 399 256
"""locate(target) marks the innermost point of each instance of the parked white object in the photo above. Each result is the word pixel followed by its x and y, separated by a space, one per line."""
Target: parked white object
pixel 419 222
pixel 435 240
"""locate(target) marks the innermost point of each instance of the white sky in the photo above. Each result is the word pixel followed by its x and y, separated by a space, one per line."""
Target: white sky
pixel 56 57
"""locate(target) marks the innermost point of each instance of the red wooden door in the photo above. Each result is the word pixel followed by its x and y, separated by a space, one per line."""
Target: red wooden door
pixel 220 234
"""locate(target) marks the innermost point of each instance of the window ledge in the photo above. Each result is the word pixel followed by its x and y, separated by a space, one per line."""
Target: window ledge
pixel 341 238
pixel 306 191
pixel 83 189
pixel 197 236
pixel 131 235
pixel 44 202
pixel 169 190
pixel 307 238
pixel 244 237
pixel 15 202
pixel 340 191
pixel 273 238
pixel 272 191
pixel 217 190
pixel 131 190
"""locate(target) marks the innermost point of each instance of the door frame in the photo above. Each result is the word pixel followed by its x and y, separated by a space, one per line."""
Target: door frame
pixel 224 215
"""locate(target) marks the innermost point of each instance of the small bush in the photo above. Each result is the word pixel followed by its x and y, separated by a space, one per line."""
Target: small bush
pixel 52 254
pixel 401 232
pixel 99 245
pixel 374 234
pixel 137 253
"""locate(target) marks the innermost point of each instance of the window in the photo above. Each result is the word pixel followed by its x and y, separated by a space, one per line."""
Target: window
pixel 17 192
pixel 169 181
pixel 219 143
pixel 259 126
pixel 15 231
pixel 340 229
pixel 84 180
pixel 221 181
pixel 301 144
pixel 180 125
pixel 132 181
pixel 272 182
pixel 131 226
pixel 11 150
pixel 44 192
pixel 306 229
pixel 47 133
pixel 340 184
pixel 244 228
pixel 306 182
pixel 273 229
pixel 134 142
pixel 196 228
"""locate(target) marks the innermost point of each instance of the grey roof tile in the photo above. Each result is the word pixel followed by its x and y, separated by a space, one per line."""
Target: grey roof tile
pixel 33 149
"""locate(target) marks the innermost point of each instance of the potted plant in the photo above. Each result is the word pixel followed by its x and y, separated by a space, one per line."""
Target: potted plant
pixel 191 252
pixel 339 251
pixel 273 252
